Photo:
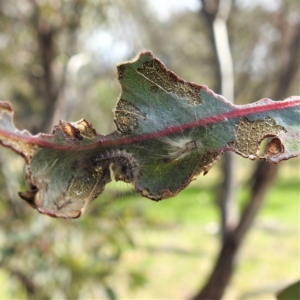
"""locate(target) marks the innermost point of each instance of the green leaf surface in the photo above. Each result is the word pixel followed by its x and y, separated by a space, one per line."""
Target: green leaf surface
pixel 292 292
pixel 168 132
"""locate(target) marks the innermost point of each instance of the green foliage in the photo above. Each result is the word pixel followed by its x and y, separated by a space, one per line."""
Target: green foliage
pixel 290 292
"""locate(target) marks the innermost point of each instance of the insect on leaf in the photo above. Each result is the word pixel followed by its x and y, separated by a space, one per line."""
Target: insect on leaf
pixel 168 132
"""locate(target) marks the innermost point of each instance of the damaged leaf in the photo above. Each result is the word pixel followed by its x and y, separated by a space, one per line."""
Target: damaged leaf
pixel 168 132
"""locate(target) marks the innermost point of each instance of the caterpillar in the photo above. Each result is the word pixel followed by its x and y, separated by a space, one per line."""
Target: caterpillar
pixel 121 164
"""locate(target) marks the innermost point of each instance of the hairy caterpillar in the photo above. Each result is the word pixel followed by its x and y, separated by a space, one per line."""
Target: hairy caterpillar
pixel 121 164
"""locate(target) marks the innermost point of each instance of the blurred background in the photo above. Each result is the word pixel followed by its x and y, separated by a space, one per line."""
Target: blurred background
pixel 57 61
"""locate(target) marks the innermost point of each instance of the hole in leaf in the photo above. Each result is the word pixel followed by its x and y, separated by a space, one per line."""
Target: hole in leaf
pixel 271 146
pixel 263 145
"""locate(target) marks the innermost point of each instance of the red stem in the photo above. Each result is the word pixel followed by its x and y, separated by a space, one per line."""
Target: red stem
pixel 245 110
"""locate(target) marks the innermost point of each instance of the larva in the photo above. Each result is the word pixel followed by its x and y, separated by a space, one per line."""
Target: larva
pixel 121 164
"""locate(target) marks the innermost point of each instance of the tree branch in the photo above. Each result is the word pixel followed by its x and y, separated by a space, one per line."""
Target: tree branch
pixel 262 178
